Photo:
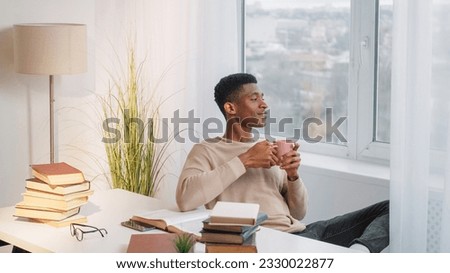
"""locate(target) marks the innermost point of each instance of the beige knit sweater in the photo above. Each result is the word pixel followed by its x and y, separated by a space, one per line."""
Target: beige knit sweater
pixel 213 172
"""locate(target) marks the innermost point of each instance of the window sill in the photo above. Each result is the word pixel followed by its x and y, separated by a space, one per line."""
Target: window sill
pixel 364 172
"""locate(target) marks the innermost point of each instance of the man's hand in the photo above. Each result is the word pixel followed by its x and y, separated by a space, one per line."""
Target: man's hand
pixel 290 162
pixel 261 155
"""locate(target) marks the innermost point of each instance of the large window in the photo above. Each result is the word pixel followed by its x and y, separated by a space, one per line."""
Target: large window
pixel 324 66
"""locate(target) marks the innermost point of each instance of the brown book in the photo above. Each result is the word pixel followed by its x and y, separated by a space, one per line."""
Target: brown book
pixel 233 228
pixel 227 237
pixel 38 185
pixel 152 243
pixel 61 197
pixel 35 202
pixel 57 173
pixel 55 215
pixel 249 246
pixel 168 220
pixel 234 213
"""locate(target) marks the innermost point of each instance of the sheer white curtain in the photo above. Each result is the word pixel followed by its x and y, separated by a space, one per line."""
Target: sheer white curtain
pixel 195 42
pixel 420 142
pixel 214 48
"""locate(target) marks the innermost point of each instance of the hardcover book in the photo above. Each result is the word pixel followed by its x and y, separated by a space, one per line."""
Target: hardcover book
pixel 38 185
pixel 234 213
pixel 233 228
pixel 57 173
pixel 227 237
pixel 46 203
pixel 55 215
pixel 152 243
pixel 249 246
pixel 61 197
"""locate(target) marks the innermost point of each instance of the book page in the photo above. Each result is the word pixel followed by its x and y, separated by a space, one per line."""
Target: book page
pixel 193 227
pixel 174 218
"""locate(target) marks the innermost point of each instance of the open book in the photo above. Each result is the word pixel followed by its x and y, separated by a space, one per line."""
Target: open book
pixel 173 221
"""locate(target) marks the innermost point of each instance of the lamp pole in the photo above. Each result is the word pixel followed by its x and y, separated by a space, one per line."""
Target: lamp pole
pixel 52 120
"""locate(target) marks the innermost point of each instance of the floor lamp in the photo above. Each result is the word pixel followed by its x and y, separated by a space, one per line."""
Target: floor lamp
pixel 50 49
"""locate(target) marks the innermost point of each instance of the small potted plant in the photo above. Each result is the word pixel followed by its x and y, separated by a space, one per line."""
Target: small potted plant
pixel 184 243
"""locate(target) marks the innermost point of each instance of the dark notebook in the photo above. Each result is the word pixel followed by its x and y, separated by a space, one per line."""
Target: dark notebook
pixel 209 236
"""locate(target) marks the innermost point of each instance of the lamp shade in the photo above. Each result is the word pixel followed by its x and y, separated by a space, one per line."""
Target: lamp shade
pixel 50 49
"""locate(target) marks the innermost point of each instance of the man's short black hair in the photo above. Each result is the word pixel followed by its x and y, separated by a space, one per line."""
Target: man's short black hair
pixel 227 90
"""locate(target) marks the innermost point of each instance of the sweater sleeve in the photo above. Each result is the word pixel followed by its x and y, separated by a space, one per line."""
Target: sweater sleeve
pixel 296 197
pixel 200 182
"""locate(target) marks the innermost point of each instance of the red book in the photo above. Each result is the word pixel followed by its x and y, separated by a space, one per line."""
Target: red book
pixel 57 173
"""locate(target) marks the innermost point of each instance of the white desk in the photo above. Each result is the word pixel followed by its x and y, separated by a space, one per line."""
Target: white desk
pixel 106 209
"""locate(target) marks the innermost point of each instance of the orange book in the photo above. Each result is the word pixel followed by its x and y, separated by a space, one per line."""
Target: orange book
pixel 230 248
pixel 57 173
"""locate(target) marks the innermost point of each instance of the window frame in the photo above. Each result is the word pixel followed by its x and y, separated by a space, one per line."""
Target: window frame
pixel 362 84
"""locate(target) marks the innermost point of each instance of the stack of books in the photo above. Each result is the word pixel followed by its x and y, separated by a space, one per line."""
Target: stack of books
pixel 54 195
pixel 232 228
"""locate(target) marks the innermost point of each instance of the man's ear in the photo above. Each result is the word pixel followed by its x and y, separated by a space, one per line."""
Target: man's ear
pixel 230 108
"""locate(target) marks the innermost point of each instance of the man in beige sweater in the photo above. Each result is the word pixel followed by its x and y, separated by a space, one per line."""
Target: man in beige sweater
pixel 237 168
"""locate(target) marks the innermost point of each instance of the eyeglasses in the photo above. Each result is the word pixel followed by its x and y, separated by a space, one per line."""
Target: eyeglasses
pixel 75 230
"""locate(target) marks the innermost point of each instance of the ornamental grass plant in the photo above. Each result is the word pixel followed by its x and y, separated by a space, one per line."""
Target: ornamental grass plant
pixel 129 128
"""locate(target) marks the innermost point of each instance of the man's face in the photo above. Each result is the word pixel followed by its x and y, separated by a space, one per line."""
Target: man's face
pixel 251 107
